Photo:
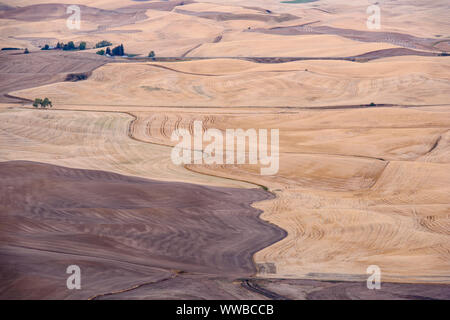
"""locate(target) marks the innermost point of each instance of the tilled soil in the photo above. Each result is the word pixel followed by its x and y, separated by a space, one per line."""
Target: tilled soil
pixel 122 231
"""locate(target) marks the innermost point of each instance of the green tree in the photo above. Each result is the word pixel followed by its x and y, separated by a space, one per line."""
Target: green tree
pixel 43 103
pixel 82 45
pixel 37 102
pixel 46 103
pixel 26 51
pixel 69 46
pixel 151 54
pixel 101 52
pixel 46 47
pixel 118 51
pixel 108 51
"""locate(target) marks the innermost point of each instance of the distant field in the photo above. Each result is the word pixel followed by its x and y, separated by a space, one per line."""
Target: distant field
pixel 298 1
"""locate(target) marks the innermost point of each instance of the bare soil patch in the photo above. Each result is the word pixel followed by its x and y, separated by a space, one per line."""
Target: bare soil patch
pixel 22 71
pixel 400 39
pixel 224 16
pixel 106 221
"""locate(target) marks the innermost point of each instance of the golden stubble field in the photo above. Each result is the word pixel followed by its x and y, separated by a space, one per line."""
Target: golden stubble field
pixel 357 185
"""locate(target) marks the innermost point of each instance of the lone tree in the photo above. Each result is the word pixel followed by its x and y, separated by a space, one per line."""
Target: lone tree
pixel 100 52
pixel 118 51
pixel 46 47
pixel 152 55
pixel 37 102
pixel 46 103
pixel 82 45
pixel 26 51
pixel 108 51
pixel 69 46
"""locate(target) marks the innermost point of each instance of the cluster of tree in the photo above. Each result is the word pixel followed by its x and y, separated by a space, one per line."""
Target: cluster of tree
pixel 66 46
pixel 117 51
pixel 71 46
pixel 44 103
pixel 103 43
pixel 103 52
pixel 73 77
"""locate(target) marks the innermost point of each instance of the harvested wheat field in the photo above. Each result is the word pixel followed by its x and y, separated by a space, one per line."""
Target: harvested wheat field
pixel 90 127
